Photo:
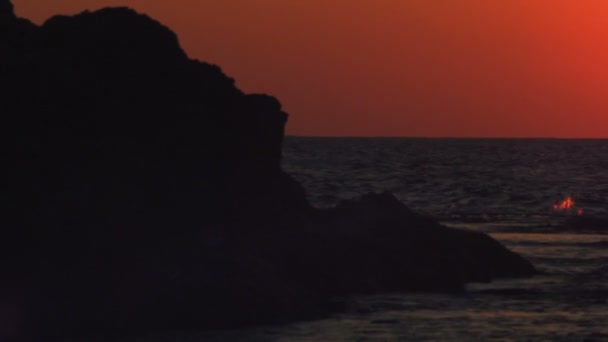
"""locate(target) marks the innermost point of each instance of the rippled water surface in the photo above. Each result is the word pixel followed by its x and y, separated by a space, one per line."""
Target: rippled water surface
pixel 505 180
pixel 504 187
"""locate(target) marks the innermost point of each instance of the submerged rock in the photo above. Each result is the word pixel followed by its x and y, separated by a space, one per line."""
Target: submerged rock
pixel 144 191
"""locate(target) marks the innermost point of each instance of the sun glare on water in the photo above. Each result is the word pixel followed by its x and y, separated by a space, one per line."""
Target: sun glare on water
pixel 567 206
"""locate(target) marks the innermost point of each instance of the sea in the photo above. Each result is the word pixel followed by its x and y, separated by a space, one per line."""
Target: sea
pixel 546 199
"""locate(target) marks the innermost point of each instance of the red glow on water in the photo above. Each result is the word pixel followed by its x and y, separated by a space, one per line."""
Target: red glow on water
pixel 567 205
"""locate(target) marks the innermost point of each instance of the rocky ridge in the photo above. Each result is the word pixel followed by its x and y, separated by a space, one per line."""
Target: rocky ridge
pixel 144 191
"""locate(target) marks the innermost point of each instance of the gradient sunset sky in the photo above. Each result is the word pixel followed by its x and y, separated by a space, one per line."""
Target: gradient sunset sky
pixel 433 68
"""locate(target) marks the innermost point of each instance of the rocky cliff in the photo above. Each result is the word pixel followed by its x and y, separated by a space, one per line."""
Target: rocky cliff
pixel 144 191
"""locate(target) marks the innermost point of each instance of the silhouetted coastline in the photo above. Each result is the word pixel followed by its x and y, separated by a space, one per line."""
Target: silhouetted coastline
pixel 144 191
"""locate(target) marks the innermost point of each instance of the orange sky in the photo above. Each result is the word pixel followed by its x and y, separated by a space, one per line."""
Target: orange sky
pixel 462 68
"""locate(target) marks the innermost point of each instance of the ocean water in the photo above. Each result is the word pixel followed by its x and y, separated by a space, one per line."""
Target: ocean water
pixel 496 180
pixel 513 189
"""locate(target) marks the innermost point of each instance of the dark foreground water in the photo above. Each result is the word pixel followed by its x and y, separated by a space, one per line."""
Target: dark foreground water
pixel 507 188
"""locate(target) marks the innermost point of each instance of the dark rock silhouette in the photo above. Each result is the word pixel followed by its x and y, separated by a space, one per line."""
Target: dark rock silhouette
pixel 6 9
pixel 144 191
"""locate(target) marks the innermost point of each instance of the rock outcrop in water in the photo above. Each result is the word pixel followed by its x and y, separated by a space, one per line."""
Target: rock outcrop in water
pixel 144 191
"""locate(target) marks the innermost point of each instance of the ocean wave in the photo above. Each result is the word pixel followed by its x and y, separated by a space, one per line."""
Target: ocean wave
pixel 600 272
pixel 532 243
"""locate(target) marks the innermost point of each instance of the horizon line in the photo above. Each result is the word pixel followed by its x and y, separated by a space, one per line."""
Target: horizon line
pixel 439 137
